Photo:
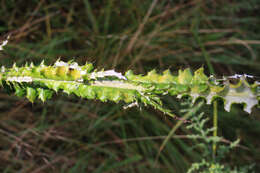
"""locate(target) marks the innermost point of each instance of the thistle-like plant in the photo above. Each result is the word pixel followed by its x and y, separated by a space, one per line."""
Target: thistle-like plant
pixel 42 81
pixel 209 164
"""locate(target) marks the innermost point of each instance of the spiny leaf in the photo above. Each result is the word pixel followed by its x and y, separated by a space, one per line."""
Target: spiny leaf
pixel 20 92
pixel 40 81
pixel 31 94
pixel 44 94
pixel 185 77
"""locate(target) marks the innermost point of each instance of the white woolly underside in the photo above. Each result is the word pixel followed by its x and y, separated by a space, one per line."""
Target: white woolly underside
pixel 246 97
pixel 102 74
pixel 232 96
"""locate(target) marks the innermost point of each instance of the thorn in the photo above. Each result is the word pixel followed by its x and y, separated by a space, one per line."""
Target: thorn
pixel 15 67
pixel 42 63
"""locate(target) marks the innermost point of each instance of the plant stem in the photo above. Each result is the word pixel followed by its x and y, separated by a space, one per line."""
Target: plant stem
pixel 215 124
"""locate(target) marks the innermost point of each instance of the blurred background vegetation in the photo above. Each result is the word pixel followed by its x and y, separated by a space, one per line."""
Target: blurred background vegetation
pixel 67 134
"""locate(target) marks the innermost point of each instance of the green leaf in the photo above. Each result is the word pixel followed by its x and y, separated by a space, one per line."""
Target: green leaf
pixel 20 92
pixel 44 94
pixel 102 94
pixel 185 76
pixel 69 87
pixel 49 72
pixel 62 71
pixel 53 85
pixel 117 96
pixel 88 67
pixel 199 77
pixel 31 94
pixel 86 92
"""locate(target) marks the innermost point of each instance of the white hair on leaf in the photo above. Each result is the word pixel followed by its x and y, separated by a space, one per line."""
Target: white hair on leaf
pixel 238 76
pixel 102 74
pixel 20 79
pixel 73 65
pixel 60 63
